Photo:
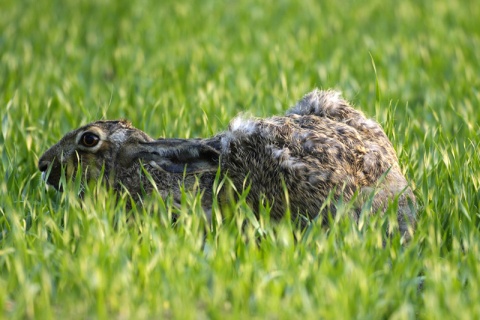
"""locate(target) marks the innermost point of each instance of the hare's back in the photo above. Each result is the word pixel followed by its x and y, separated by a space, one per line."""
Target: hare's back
pixel 310 155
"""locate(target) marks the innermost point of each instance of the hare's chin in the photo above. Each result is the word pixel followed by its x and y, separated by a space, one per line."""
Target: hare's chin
pixel 44 176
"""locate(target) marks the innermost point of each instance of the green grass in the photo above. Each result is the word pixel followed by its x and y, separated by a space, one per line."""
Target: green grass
pixel 184 70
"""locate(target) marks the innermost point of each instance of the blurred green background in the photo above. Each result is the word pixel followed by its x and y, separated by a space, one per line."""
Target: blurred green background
pixel 184 69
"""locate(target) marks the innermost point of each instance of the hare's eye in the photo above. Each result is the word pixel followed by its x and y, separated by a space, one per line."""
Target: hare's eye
pixel 89 140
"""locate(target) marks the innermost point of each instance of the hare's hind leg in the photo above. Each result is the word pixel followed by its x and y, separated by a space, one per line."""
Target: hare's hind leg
pixel 378 200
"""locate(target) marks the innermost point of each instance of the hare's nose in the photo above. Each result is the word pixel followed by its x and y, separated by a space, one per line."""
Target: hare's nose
pixel 43 165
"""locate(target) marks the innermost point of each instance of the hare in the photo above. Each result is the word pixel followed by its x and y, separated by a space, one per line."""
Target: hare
pixel 321 150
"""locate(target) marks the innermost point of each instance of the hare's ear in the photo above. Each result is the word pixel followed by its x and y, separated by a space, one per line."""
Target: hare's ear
pixel 181 155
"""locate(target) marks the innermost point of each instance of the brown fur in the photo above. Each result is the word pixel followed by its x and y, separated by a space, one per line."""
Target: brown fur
pixel 321 148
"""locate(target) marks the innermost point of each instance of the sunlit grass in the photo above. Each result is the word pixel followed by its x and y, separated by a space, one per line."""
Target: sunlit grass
pixel 184 70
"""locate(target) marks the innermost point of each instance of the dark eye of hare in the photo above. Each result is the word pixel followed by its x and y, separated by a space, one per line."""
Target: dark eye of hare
pixel 89 140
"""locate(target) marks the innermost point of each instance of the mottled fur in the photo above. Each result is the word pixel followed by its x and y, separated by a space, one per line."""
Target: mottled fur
pixel 321 148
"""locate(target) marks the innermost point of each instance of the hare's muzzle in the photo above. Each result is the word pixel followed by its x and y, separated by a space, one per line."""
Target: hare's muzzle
pixel 52 177
pixel 43 165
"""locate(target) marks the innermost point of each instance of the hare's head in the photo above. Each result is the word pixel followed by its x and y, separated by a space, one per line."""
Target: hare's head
pixel 118 150
pixel 92 147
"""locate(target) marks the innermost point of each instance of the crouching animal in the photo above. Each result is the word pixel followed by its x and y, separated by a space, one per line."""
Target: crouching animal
pixel 321 149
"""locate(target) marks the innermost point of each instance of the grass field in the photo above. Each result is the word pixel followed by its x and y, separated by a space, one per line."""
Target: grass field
pixel 179 69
